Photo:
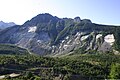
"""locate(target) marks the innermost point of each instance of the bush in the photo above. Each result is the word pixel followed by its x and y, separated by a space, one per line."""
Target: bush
pixel 115 71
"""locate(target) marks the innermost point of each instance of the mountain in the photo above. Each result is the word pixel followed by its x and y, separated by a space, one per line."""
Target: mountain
pixel 45 34
pixel 4 25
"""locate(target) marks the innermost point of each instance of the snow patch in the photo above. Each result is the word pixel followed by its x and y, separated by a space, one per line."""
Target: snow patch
pixel 32 29
pixel 67 37
pixel 63 41
pixel 39 41
pixel 69 42
pixel 66 46
pixel 84 37
pixel 77 34
pixel 98 36
pixel 53 46
pixel 109 39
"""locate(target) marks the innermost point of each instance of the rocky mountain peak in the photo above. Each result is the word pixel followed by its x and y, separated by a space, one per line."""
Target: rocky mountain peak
pixel 77 19
pixel 41 18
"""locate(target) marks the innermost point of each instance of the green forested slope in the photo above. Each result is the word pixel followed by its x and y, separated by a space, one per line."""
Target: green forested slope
pixel 11 49
pixel 97 66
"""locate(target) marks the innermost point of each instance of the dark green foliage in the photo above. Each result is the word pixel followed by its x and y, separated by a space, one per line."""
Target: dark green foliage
pixel 117 39
pixel 79 51
pixel 60 25
pixel 115 71
pixel 52 31
pixel 63 34
pixel 85 66
pixel 28 75
pixel 12 49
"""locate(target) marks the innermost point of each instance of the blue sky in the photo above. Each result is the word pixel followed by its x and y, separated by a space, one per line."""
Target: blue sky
pixel 99 11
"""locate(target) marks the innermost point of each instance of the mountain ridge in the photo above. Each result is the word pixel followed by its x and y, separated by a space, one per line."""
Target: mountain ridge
pixel 45 34
pixel 4 25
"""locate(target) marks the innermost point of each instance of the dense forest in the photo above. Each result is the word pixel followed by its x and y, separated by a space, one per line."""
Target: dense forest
pixel 77 66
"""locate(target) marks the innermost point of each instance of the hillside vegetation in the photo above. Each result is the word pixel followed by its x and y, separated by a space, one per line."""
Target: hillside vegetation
pixel 78 67
pixel 12 49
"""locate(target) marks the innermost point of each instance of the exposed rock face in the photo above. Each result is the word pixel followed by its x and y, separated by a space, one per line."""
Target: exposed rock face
pixel 108 42
pixel 77 19
pixel 46 34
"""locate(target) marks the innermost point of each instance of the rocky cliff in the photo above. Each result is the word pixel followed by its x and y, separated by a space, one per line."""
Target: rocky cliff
pixel 46 34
